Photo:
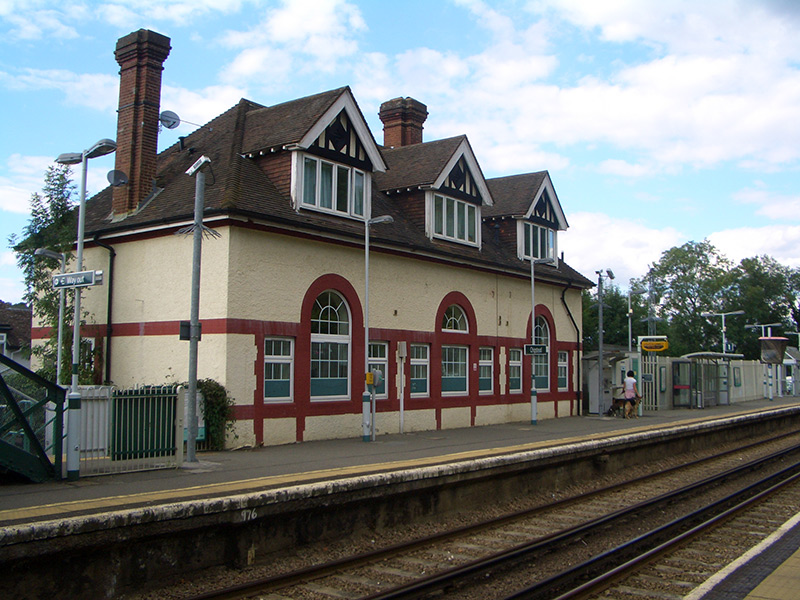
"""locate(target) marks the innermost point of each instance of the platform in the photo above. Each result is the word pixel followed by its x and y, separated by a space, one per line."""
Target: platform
pixel 219 474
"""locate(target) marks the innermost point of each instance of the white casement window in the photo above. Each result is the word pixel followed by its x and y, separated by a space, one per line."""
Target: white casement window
pixel 420 370
pixel 515 370
pixel 541 362
pixel 278 369
pixel 332 187
pixel 378 360
pixel 330 348
pixel 454 370
pixel 454 319
pixel 455 220
pixel 563 370
pixel 486 371
pixel 541 240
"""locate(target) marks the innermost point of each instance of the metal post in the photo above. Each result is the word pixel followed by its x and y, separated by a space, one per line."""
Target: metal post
pixel 367 403
pixel 194 324
pixel 74 403
pixel 534 393
pixel 600 390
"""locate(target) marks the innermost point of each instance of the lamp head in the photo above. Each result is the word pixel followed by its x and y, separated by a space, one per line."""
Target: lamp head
pixel 101 148
pixel 610 273
pixel 70 158
pixel 383 219
pixel 48 253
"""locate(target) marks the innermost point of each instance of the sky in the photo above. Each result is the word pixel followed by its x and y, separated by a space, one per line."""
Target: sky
pixel 660 121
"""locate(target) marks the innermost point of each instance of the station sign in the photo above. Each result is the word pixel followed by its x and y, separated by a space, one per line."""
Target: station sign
pixel 79 279
pixel 655 345
pixel 535 349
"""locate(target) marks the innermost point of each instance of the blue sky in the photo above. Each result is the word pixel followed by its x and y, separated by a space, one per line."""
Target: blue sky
pixel 659 122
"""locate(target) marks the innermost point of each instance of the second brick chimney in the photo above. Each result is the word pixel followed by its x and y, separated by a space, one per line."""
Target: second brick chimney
pixel 402 121
pixel 140 55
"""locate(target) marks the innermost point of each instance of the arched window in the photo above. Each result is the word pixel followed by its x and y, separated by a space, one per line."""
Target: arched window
pixel 454 319
pixel 330 348
pixel 541 362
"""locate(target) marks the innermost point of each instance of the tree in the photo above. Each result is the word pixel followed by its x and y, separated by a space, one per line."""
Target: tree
pixel 687 281
pixel 51 226
pixel 615 317
pixel 768 293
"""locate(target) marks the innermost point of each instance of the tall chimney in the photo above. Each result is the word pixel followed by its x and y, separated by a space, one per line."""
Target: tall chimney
pixel 402 121
pixel 140 55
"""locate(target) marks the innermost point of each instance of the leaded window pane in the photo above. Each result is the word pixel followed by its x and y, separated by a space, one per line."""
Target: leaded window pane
pixel 309 181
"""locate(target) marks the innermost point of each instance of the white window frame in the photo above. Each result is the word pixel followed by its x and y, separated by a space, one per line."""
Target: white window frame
pixel 486 368
pixel 279 359
pixel 460 321
pixel 514 364
pixel 541 362
pixel 463 351
pixel 353 177
pixel 421 362
pixel 563 369
pixel 544 241
pixel 3 344
pixel 451 206
pixel 381 363
pixel 338 339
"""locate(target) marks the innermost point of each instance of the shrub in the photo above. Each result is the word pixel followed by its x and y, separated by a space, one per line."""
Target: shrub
pixel 217 411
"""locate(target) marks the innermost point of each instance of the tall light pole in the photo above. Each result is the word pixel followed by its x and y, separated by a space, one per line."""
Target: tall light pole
pixel 60 256
pixel 368 399
pixel 636 292
pixel 723 315
pixel 534 393
pixel 101 148
pixel 609 274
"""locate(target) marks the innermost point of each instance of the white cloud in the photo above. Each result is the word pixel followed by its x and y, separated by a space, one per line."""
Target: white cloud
pixel 771 205
pixel 597 241
pixel 25 175
pixel 782 242
pixel 96 91
pixel 299 36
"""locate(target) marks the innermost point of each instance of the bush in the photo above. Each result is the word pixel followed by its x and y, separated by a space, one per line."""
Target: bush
pixel 217 411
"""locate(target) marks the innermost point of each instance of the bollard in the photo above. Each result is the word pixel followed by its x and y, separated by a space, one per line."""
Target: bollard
pixel 73 436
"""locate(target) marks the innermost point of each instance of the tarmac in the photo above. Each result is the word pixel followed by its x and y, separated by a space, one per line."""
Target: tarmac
pixel 770 572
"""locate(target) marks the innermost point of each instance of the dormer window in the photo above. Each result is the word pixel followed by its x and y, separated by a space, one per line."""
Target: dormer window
pixel 538 241
pixel 333 187
pixel 455 220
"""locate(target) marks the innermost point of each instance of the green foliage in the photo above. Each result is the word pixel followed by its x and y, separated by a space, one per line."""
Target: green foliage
pixel 693 279
pixel 218 412
pixel 51 226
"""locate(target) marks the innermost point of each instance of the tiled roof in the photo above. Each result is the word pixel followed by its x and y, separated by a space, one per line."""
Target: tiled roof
pixel 513 194
pixel 416 165
pixel 236 186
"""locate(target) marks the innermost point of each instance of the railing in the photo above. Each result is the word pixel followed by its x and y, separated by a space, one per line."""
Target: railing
pixel 134 429
pixel 31 423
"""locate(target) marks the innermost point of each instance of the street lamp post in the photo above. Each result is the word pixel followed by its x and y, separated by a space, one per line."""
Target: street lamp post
pixel 636 292
pixel 368 399
pixel 101 148
pixel 609 274
pixel 534 393
pixel 60 256
pixel 723 315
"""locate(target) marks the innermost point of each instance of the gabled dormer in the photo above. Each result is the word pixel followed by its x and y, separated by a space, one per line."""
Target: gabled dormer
pixel 527 213
pixel 319 150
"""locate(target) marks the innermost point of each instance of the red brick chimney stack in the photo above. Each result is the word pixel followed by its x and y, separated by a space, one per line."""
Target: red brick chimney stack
pixel 140 55
pixel 402 121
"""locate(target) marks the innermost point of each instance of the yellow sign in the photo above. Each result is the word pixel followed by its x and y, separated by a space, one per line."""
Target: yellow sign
pixel 655 345
pixel 369 378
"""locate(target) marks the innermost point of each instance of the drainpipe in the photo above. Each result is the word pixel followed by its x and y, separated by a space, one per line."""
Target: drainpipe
pixel 580 343
pixel 110 283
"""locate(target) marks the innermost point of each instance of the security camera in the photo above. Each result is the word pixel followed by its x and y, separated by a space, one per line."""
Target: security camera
pixel 197 165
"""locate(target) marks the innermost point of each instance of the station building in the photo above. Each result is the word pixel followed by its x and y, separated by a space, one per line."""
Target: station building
pixel 282 295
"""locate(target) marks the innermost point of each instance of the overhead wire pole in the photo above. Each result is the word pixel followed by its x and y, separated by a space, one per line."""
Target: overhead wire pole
pixel 197 230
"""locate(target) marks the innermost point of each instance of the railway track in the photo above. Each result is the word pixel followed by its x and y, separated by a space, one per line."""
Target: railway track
pixel 490 559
